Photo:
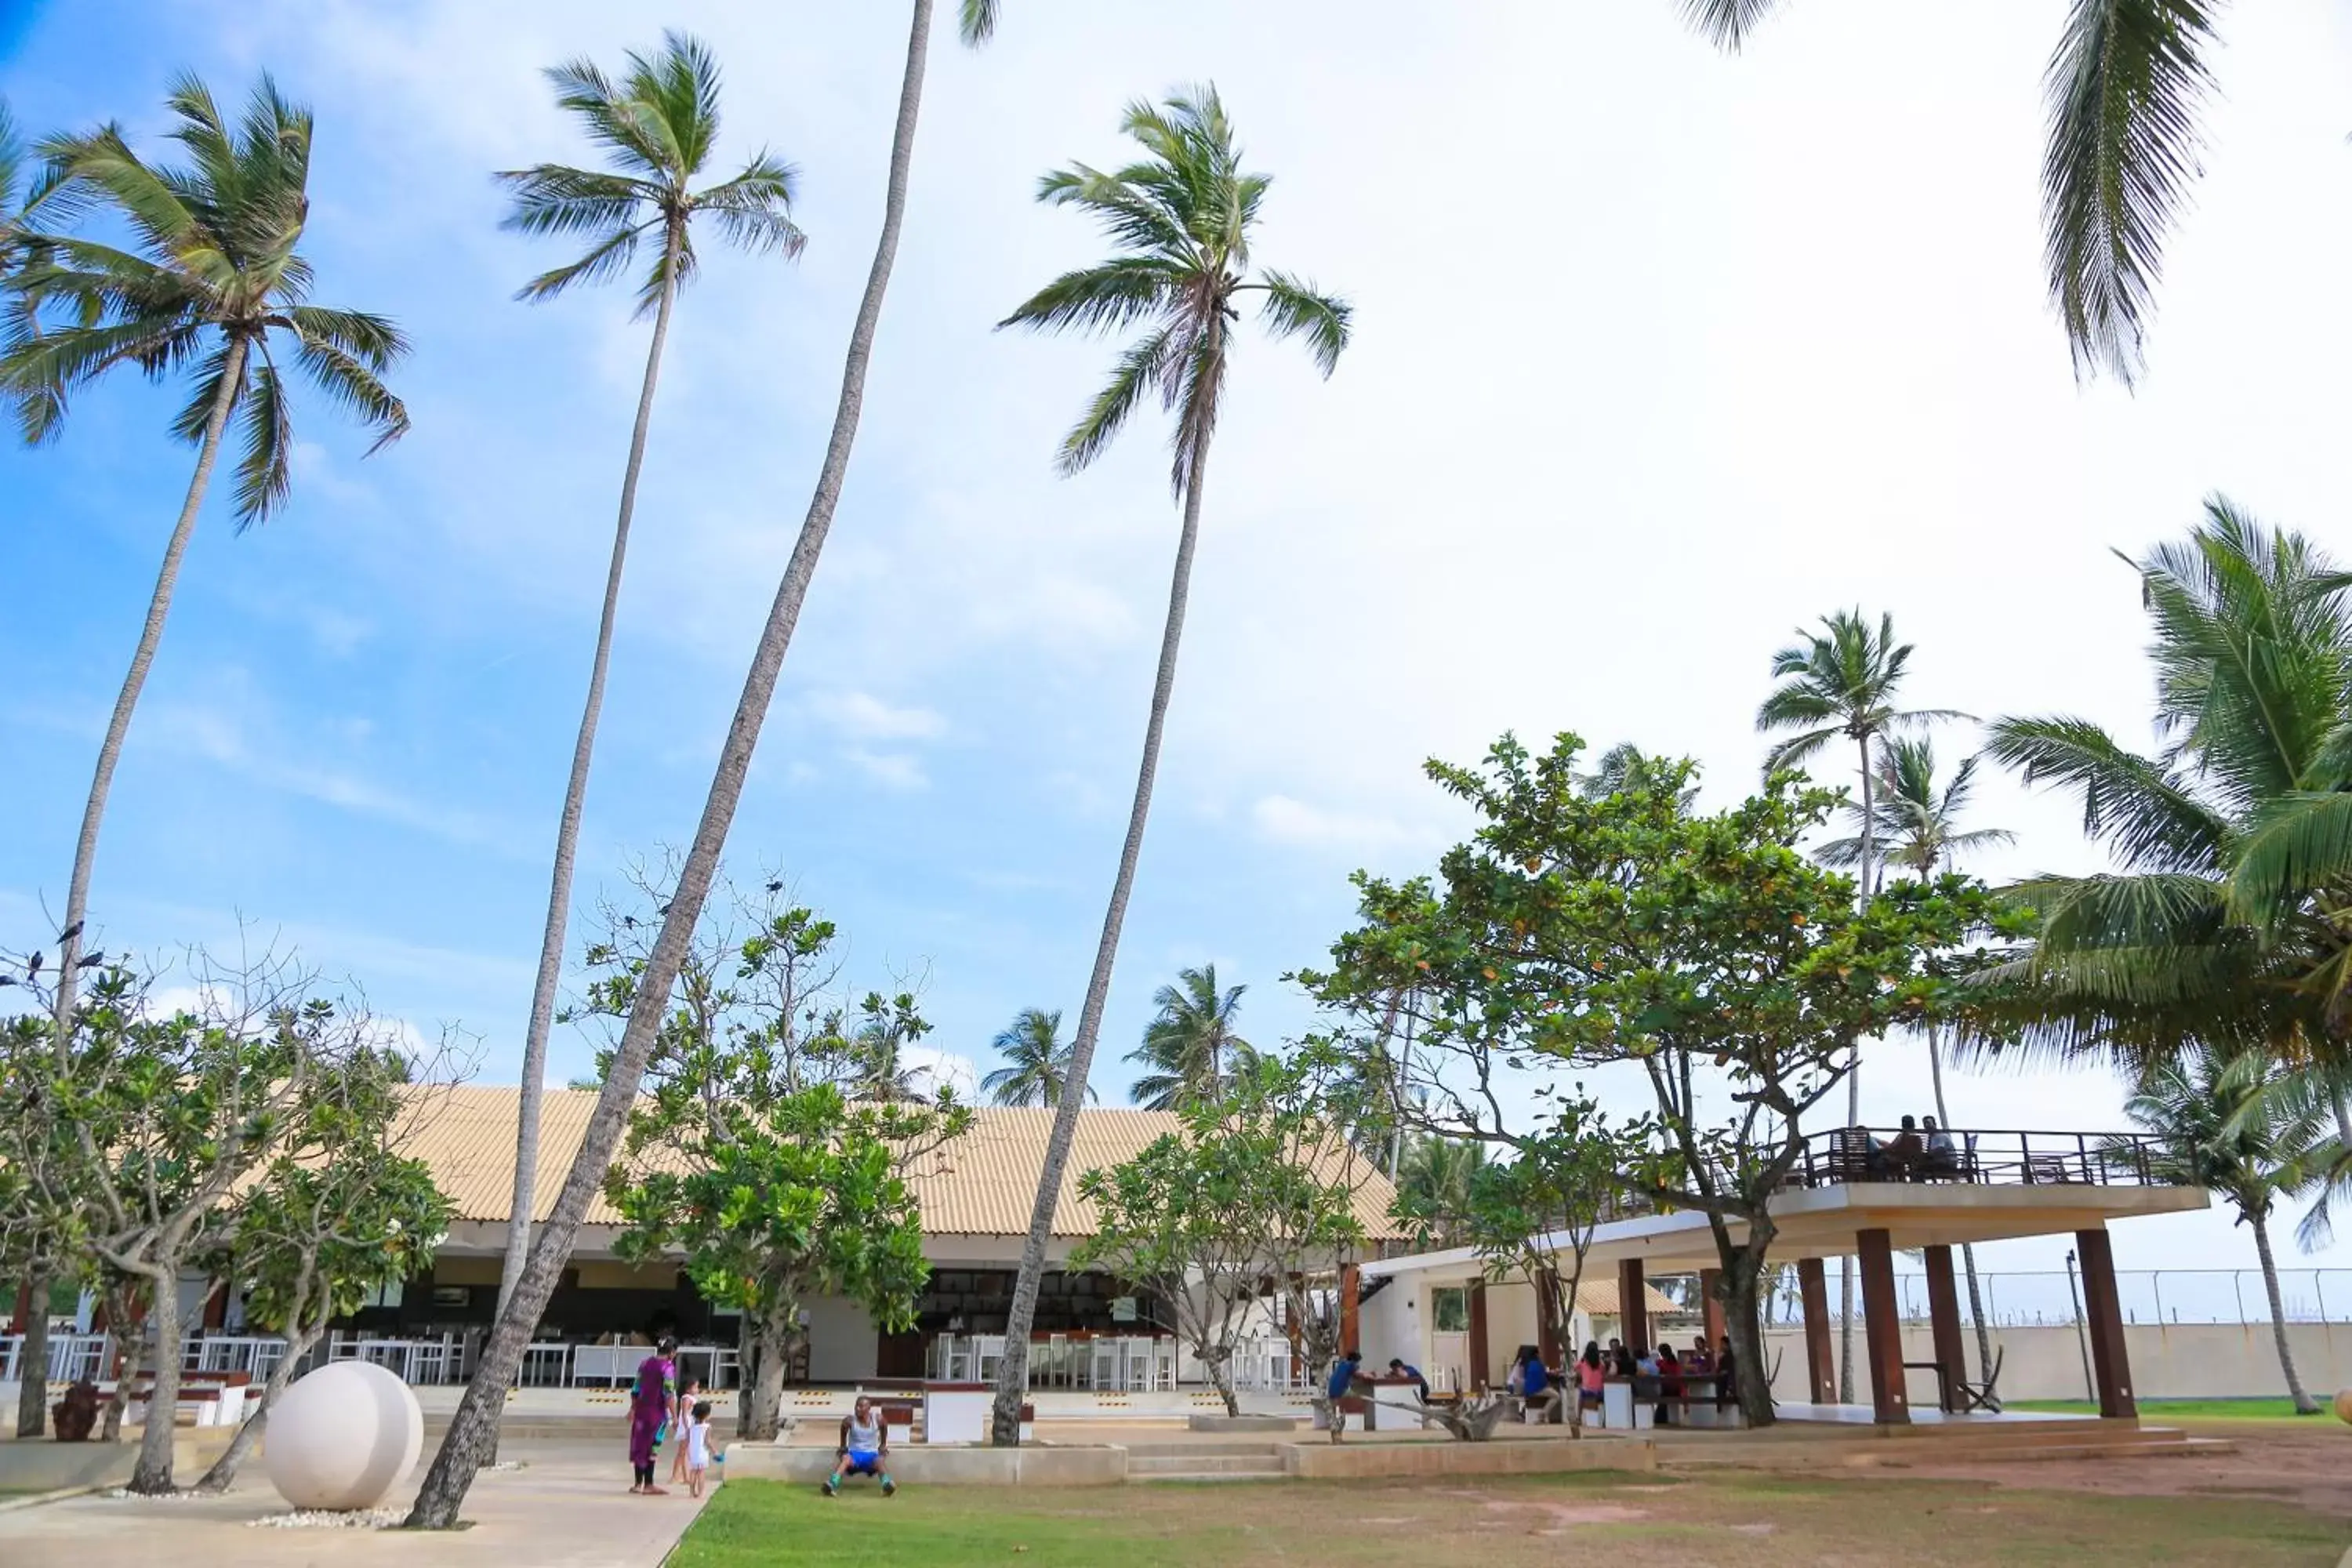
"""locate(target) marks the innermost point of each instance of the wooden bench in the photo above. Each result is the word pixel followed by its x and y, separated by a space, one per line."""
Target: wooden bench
pixel 205 1398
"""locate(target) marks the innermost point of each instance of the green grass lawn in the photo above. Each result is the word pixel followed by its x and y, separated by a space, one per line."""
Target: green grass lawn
pixel 1628 1519
pixel 2280 1409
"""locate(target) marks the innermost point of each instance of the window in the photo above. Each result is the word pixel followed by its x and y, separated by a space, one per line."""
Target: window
pixel 1449 1309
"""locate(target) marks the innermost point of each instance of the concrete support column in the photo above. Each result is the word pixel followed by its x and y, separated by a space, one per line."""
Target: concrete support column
pixel 1882 1323
pixel 1821 1354
pixel 1944 1319
pixel 1482 1363
pixel 1710 1281
pixel 1632 1305
pixel 2110 1367
pixel 1351 1286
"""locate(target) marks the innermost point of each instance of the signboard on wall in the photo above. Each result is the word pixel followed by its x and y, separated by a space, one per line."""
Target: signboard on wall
pixel 1123 1309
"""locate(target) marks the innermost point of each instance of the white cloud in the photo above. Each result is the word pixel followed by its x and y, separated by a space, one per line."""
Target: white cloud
pixel 889 769
pixel 1288 821
pixel 943 1069
pixel 865 717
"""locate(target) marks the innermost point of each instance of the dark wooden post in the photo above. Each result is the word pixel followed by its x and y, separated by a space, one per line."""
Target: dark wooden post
pixel 1351 1282
pixel 1821 1354
pixel 2110 1366
pixel 23 1315
pixel 1710 1281
pixel 1290 1321
pixel 1632 1305
pixel 1944 1318
pixel 1882 1323
pixel 1482 1365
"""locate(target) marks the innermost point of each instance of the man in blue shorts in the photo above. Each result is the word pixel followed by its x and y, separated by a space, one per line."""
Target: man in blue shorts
pixel 864 1448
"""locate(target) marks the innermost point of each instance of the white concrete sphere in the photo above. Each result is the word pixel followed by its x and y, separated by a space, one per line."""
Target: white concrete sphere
pixel 343 1437
pixel 2344 1405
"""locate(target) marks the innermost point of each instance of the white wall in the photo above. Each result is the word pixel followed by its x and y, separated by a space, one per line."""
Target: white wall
pixel 1395 1323
pixel 842 1340
pixel 2180 1360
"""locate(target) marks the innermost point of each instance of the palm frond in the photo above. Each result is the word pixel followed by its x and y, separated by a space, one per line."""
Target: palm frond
pixel 976 21
pixel 607 256
pixel 2148 815
pixel 351 381
pixel 371 339
pixel 1727 23
pixel 1296 309
pixel 2125 85
pixel 754 210
pixel 265 473
pixel 2295 843
pixel 554 198
pixel 1116 293
pixel 1143 366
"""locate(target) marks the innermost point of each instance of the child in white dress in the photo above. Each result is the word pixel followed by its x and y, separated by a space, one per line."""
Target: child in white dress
pixel 697 1446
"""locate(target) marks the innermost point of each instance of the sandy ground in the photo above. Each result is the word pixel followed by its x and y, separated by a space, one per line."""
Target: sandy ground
pixel 566 1506
pixel 2307 1462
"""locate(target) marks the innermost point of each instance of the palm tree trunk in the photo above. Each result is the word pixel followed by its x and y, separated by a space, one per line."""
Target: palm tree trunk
pixel 454 1464
pixel 110 751
pixel 575 794
pixel 34 1391
pixel 1854 1096
pixel 1013 1372
pixel 2303 1404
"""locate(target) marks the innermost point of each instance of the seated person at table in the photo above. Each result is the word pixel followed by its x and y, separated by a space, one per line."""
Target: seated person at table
pixel 1904 1153
pixel 1532 1383
pixel 1727 1377
pixel 1398 1368
pixel 864 1448
pixel 1591 1374
pixel 1670 1382
pixel 1943 1154
pixel 1873 1152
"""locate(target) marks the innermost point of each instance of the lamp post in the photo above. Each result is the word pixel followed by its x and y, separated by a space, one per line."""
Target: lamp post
pixel 2082 1341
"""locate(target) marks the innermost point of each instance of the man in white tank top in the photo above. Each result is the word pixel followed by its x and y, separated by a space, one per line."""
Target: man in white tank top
pixel 864 1448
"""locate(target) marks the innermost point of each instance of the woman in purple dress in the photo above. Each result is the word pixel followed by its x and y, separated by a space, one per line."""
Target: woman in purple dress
pixel 653 1405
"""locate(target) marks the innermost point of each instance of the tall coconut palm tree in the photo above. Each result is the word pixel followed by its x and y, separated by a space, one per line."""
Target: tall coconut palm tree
pixel 1920 825
pixel 2127 87
pixel 464 1445
pixel 1181 219
pixel 2224 1127
pixel 1190 1045
pixel 2227 926
pixel 660 128
pixel 877 1056
pixel 214 283
pixel 1839 683
pixel 1036 1061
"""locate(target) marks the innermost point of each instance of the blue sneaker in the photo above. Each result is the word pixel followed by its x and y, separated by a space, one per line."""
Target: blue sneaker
pixel 890 1487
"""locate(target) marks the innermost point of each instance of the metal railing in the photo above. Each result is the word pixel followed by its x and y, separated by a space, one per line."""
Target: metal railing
pixel 2025 1299
pixel 1843 1155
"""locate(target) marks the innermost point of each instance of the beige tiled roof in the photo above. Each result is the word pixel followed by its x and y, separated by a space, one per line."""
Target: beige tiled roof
pixel 983 1184
pixel 1599 1296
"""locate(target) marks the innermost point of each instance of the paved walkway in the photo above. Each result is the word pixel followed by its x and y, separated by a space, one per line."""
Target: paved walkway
pixel 568 1507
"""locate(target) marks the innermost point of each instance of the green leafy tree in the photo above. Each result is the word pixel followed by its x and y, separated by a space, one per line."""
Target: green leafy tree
pixel 315 1236
pixel 1534 1214
pixel 2126 87
pixel 2222 1127
pixel 1839 683
pixel 1190 1044
pixel 1037 1069
pixel 214 284
pixel 462 1447
pixel 1255 1189
pixel 169 1116
pixel 1701 949
pixel 1181 219
pixel 777 1196
pixel 658 127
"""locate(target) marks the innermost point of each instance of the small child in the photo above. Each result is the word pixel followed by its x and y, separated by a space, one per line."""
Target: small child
pixel 687 1392
pixel 697 1446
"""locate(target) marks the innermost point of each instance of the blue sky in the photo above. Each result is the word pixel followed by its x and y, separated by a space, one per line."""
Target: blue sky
pixel 1659 354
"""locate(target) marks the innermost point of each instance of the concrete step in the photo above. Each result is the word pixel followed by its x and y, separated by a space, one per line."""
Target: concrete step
pixel 1193 1465
pixel 1213 1477
pixel 1256 1448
